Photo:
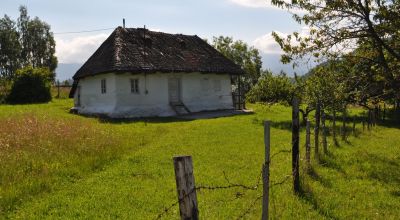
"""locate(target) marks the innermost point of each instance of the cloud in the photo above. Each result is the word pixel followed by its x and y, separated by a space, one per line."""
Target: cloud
pixel 267 44
pixel 265 4
pixel 253 3
pixel 78 49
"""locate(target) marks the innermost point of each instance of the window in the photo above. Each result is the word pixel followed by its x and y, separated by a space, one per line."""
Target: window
pixel 135 86
pixel 103 86
pixel 217 85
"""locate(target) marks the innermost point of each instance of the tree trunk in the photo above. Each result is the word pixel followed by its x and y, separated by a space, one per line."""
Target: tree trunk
pixel 316 130
pixel 324 142
pixel 334 125
pixel 295 145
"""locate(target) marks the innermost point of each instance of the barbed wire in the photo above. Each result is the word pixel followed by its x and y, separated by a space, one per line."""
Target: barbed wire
pixel 232 185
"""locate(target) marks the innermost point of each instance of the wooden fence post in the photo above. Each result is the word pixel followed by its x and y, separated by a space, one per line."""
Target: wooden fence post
pixel 295 145
pixel 267 141
pixel 316 130
pixel 308 144
pixel 186 188
pixel 354 125
pixel 324 142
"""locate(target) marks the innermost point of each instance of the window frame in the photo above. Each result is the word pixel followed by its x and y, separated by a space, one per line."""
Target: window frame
pixel 103 86
pixel 135 86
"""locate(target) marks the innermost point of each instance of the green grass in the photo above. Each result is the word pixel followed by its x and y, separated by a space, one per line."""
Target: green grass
pixel 58 165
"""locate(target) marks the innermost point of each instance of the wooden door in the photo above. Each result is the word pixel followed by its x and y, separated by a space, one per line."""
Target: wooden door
pixel 174 90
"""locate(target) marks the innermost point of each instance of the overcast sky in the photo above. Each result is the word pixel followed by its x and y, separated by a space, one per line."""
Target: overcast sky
pixel 249 20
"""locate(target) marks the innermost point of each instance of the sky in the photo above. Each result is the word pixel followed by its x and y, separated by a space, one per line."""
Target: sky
pixel 249 20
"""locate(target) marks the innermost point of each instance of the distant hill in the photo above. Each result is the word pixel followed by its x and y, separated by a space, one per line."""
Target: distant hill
pixel 65 71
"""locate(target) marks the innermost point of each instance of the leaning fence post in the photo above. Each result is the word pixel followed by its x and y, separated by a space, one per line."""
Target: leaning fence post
pixel 267 141
pixel 186 188
pixel 295 145
pixel 308 144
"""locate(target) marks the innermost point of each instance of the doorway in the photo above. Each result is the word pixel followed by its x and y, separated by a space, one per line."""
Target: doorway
pixel 174 90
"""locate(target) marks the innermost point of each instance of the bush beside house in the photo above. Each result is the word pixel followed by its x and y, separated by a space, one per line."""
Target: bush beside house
pixel 31 85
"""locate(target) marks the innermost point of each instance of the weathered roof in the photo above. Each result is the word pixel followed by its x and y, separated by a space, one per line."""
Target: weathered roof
pixel 139 50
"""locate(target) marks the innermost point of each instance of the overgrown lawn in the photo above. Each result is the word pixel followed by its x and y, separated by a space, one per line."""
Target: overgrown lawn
pixel 58 165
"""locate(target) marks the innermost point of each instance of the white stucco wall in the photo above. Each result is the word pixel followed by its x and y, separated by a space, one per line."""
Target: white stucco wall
pixel 199 92
pixel 92 100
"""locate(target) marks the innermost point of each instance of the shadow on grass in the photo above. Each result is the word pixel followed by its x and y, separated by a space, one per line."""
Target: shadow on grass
pixel 308 196
pixel 283 125
pixel 383 169
pixel 102 118
pixel 331 163
pixel 150 120
pixel 313 174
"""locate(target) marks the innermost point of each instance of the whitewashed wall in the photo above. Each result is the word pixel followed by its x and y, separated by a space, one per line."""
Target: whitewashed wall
pixel 92 100
pixel 154 102
pixel 199 92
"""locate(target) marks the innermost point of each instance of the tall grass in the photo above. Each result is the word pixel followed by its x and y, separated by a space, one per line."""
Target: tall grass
pixel 36 149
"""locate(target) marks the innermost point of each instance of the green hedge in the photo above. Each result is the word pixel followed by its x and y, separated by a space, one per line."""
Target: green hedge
pixel 31 85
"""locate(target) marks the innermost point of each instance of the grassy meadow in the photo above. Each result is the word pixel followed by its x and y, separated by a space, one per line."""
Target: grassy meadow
pixel 56 165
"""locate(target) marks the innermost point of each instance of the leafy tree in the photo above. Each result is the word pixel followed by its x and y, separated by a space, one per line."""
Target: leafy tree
pixel 38 45
pixel 272 89
pixel 31 85
pixel 27 42
pixel 365 31
pixel 243 55
pixel 9 47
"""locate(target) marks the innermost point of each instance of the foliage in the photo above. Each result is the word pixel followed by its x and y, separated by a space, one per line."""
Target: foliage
pixel 27 42
pixel 248 58
pixel 5 87
pixel 272 89
pixel 323 86
pixel 71 167
pixel 10 47
pixel 362 32
pixel 31 85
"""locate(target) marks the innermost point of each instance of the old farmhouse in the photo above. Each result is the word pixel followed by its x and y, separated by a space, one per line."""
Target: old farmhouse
pixel 141 73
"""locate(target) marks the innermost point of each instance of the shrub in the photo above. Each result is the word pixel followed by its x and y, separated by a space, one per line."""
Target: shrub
pixel 5 87
pixel 31 85
pixel 272 89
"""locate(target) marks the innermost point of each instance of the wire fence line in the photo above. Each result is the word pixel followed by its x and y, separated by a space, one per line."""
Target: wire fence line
pixel 264 176
pixel 231 185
